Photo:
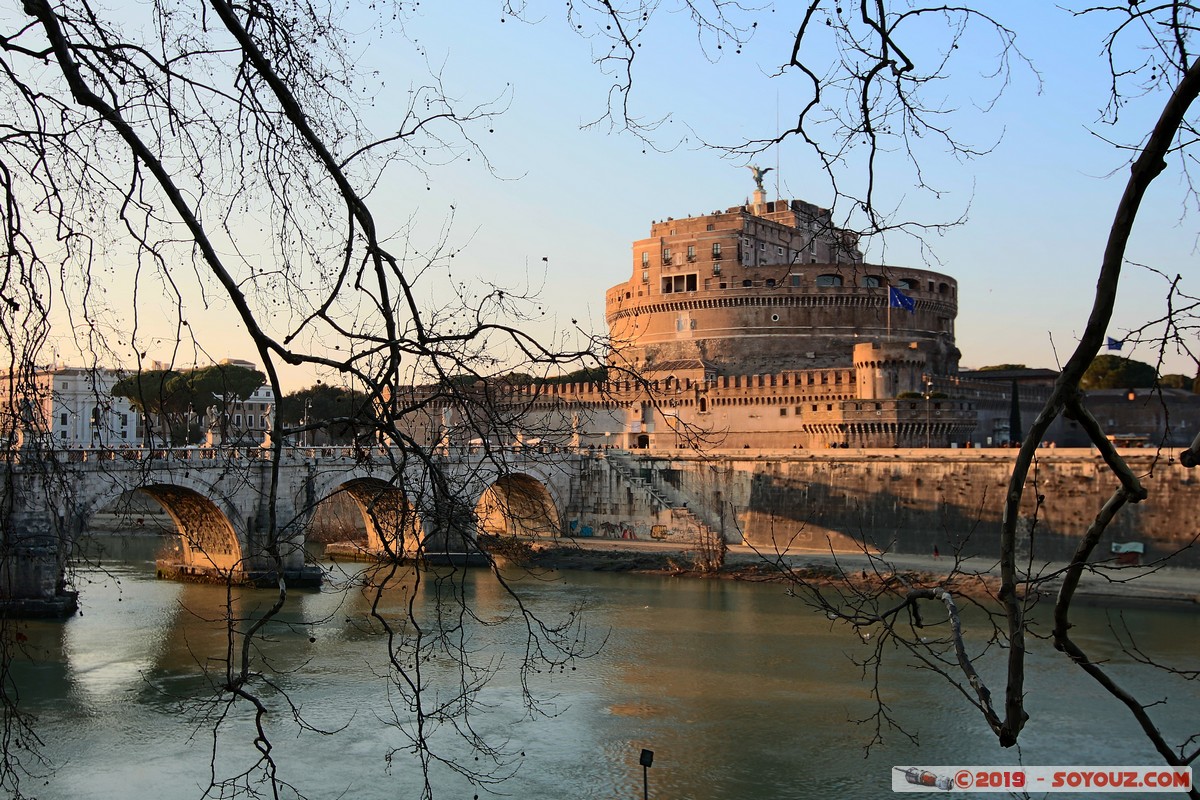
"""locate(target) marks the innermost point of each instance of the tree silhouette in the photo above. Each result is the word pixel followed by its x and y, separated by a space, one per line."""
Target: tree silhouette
pixel 1115 372
pixel 877 96
pixel 171 157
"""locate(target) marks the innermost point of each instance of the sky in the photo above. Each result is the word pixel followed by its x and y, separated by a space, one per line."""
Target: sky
pixel 558 203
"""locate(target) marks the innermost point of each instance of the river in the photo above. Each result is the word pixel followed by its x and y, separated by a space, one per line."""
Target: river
pixel 739 689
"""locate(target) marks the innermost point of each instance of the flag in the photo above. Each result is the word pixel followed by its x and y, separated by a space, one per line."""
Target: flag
pixel 1115 344
pixel 900 300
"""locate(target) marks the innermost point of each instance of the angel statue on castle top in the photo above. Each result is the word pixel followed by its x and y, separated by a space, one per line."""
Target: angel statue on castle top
pixel 759 172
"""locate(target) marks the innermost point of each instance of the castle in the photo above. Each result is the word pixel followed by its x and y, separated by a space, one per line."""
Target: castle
pixel 762 327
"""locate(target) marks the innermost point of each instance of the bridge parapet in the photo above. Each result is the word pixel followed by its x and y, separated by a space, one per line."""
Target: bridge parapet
pixel 220 498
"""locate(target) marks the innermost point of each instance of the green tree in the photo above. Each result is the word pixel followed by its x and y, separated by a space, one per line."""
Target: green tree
pixel 339 414
pixel 162 401
pixel 185 147
pixel 216 384
pixel 1176 381
pixel 1116 372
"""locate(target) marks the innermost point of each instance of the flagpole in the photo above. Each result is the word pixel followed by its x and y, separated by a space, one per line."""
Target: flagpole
pixel 889 314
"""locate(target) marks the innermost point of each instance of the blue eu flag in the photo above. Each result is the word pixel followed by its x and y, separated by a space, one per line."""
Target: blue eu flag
pixel 900 300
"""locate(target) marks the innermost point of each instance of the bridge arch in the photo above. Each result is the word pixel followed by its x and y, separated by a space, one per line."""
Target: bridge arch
pixel 207 538
pixel 518 504
pixel 392 521
pixel 206 523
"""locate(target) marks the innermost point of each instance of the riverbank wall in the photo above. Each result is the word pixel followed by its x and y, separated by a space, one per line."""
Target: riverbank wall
pixel 903 501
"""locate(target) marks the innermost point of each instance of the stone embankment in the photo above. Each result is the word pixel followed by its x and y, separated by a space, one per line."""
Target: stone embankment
pixel 1107 584
pixel 899 501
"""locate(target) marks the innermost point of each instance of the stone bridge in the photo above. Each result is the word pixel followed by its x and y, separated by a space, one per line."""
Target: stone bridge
pixel 243 518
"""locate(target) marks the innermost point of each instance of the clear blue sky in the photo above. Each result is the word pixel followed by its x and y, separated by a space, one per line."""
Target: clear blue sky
pixel 1038 206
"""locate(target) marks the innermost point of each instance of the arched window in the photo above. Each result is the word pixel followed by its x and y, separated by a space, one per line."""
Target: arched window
pixel 829 280
pixel 872 281
pixel 908 284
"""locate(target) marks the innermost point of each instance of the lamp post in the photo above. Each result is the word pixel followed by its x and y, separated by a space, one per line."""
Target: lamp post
pixel 646 760
pixel 307 432
pixel 928 394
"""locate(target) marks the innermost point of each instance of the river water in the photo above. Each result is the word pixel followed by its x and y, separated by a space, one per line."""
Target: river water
pixel 740 691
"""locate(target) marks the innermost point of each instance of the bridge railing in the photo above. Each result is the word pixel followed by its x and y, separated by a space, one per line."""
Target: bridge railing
pixel 193 453
pixel 80 455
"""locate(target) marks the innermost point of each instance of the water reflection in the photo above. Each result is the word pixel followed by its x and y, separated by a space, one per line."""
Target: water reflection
pixel 739 690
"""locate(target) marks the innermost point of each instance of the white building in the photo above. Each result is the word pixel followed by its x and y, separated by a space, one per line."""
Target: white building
pixel 247 421
pixel 71 407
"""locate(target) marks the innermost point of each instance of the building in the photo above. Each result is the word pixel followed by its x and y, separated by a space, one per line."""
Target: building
pixel 69 407
pixel 762 327
pixel 245 420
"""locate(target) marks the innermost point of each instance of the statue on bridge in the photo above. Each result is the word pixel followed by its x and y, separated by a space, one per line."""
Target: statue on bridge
pixel 25 413
pixel 212 416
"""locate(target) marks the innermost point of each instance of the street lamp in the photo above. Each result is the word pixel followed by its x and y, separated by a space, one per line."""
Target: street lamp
pixel 646 760
pixel 307 432
pixel 928 394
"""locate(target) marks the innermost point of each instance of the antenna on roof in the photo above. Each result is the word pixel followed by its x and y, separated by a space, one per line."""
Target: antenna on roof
pixel 778 145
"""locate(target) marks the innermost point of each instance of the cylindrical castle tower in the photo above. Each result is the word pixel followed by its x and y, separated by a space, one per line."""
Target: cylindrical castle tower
pixel 884 370
pixel 770 287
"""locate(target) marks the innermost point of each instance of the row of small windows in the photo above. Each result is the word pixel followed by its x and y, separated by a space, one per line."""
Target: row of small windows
pixel 96 413
pixel 878 282
pixel 671 284
pixel 691 254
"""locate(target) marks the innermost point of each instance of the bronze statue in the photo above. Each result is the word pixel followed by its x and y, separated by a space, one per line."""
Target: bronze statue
pixel 759 172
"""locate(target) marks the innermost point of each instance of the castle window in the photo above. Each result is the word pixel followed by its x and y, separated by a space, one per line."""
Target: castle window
pixel 907 283
pixel 703 405
pixel 872 281
pixel 795 280
pixel 783 412
pixel 708 227
pixel 770 281
pixel 943 288
pixel 717 271
pixel 747 283
pixel 645 276
pixel 778 251
pixel 679 283
pixel 716 250
pixel 762 245
pixel 645 259
pixel 829 280
pixel 691 253
pixel 666 255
